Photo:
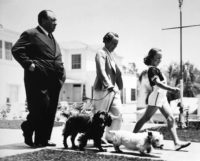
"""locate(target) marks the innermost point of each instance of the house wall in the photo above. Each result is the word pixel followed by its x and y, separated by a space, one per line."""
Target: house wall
pixel 12 83
pixel 87 73
pixel 130 82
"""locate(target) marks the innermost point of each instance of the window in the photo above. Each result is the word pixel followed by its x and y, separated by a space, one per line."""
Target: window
pixel 1 52
pixel 133 95
pixel 8 46
pixel 76 61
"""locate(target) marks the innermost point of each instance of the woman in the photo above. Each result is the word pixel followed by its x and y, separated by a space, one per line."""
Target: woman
pixel 108 82
pixel 158 99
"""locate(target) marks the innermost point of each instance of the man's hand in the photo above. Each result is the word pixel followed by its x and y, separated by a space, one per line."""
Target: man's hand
pixel 32 67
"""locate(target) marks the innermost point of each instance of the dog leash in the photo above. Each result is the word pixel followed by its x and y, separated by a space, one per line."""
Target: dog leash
pixel 93 99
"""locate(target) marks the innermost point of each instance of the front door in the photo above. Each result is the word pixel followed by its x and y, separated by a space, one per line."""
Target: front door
pixel 77 93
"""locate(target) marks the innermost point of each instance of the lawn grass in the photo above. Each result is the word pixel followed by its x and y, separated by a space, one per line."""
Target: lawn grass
pixel 64 155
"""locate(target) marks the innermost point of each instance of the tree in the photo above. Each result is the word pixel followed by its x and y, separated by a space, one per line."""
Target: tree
pixel 191 79
pixel 129 68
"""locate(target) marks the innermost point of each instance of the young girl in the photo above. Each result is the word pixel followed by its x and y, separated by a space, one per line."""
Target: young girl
pixel 158 99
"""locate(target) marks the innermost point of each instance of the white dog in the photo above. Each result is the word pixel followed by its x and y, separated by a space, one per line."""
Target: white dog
pixel 142 142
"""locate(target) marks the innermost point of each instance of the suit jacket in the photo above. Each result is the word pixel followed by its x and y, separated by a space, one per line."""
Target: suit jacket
pixel 108 73
pixel 34 46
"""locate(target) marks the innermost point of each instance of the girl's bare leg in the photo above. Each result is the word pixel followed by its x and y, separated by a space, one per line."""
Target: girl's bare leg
pixel 167 112
pixel 150 111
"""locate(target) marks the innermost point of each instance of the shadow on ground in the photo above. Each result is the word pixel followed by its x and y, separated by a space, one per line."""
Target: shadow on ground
pixel 89 154
pixel 16 146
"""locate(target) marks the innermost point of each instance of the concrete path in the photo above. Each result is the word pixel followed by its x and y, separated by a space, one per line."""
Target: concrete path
pixel 11 143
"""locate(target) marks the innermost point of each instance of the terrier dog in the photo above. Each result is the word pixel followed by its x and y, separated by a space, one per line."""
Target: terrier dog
pixel 142 142
pixel 157 140
pixel 91 127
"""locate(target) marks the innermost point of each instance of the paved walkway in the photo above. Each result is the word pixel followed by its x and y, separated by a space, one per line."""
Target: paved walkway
pixel 11 143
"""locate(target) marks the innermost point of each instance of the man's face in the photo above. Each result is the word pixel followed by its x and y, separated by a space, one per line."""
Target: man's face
pixel 49 24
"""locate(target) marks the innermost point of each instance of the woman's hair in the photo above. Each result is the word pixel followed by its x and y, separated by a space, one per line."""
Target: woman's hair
pixel 151 54
pixel 109 37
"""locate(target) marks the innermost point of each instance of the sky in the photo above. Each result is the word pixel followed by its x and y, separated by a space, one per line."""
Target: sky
pixel 139 24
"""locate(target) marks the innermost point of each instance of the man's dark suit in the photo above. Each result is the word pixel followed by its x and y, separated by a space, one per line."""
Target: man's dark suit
pixel 44 83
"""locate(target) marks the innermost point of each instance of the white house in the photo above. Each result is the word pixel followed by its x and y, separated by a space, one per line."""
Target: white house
pixel 79 62
pixel 11 82
pixel 80 71
pixel 80 67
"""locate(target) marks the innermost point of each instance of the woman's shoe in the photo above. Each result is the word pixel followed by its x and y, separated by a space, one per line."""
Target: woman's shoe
pixel 181 146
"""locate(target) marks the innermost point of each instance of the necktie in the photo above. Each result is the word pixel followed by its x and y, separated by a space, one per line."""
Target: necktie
pixel 50 36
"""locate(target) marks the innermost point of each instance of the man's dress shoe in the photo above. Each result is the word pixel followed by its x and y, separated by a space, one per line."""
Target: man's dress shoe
pixel 50 144
pixel 44 144
pixel 39 145
pixel 27 135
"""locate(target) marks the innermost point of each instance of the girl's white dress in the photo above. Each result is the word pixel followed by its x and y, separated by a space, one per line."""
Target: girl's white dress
pixel 158 95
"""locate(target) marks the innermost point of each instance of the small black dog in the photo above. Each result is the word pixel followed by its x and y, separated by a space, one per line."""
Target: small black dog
pixel 90 127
